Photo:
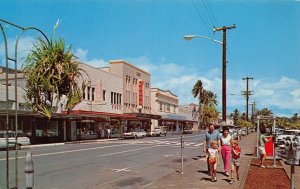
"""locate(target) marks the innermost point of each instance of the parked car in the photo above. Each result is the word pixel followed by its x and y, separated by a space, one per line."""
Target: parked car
pixel 233 134
pixel 244 132
pixel 287 133
pixel 157 132
pixel 138 133
pixel 21 141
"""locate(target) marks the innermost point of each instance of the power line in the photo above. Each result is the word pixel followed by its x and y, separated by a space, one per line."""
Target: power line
pixel 203 21
pixel 211 11
pixel 208 13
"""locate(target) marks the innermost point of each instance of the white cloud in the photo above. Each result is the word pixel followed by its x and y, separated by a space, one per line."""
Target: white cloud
pixel 82 55
pixel 25 45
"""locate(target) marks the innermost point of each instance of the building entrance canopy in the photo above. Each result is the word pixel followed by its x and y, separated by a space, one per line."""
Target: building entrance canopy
pixel 145 116
pixel 173 117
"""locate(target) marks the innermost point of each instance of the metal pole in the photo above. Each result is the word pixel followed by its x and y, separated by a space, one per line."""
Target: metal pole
pixel 7 98
pixel 257 134
pixel 182 146
pixel 7 108
pixel 274 156
pixel 292 179
pixel 274 140
pixel 29 171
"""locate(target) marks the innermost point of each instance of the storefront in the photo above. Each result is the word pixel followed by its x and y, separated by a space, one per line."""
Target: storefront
pixel 141 121
pixel 96 125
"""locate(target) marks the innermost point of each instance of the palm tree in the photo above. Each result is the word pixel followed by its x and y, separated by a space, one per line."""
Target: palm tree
pixel 197 91
pixel 236 115
pixel 264 112
pixel 51 70
pixel 295 117
pixel 206 99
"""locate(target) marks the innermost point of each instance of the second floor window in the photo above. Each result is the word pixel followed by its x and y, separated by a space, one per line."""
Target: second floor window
pixel 103 95
pixel 93 94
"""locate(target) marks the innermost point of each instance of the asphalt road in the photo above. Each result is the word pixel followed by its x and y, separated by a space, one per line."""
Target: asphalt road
pixel 131 163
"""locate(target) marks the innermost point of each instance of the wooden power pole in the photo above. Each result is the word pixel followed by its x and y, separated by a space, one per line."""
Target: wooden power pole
pixel 247 93
pixel 224 29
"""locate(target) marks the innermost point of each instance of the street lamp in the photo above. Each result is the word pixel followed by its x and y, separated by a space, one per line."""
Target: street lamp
pixel 189 37
pixel 15 60
pixel 224 29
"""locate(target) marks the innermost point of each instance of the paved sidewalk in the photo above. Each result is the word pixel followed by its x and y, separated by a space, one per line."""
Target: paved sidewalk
pixel 195 173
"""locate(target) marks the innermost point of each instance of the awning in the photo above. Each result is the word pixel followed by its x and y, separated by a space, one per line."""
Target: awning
pixel 93 114
pixel 145 116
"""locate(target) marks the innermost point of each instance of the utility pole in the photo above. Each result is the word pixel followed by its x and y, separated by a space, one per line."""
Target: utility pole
pixel 224 29
pixel 253 111
pixel 247 93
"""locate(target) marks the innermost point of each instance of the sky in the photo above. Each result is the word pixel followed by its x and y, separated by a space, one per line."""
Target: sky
pixel 149 34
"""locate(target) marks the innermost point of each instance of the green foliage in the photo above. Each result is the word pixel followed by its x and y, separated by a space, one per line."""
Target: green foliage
pixel 206 99
pixel 210 114
pixel 51 70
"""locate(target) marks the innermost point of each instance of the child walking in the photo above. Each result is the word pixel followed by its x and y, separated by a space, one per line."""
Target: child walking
pixel 235 160
pixel 213 158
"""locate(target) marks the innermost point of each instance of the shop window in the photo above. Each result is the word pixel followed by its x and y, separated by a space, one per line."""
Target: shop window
pixel 47 129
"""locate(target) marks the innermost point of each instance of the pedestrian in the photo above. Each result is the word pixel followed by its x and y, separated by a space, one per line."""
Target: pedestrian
pixel 226 149
pixel 261 146
pixel 235 160
pixel 210 134
pixel 213 158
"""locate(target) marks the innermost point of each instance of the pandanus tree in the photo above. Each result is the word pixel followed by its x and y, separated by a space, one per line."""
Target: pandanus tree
pixel 52 71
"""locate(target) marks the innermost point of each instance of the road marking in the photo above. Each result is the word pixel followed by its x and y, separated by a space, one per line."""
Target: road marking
pixel 119 170
pixel 64 152
pixel 104 155
pixel 170 156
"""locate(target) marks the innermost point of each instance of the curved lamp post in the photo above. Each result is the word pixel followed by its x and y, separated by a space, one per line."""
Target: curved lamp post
pixel 224 29
pixel 189 37
pixel 15 60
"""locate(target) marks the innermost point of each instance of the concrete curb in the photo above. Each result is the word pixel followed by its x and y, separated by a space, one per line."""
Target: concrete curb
pixel 247 167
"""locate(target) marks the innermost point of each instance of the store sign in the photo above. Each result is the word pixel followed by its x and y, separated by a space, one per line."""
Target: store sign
pixel 140 94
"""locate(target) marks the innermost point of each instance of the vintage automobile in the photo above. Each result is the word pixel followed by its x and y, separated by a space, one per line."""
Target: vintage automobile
pixel 157 132
pixel 137 133
pixel 22 140
pixel 287 133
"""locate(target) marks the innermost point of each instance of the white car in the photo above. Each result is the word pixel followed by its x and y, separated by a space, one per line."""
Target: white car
pixel 157 132
pixel 22 140
pixel 138 133
pixel 287 133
